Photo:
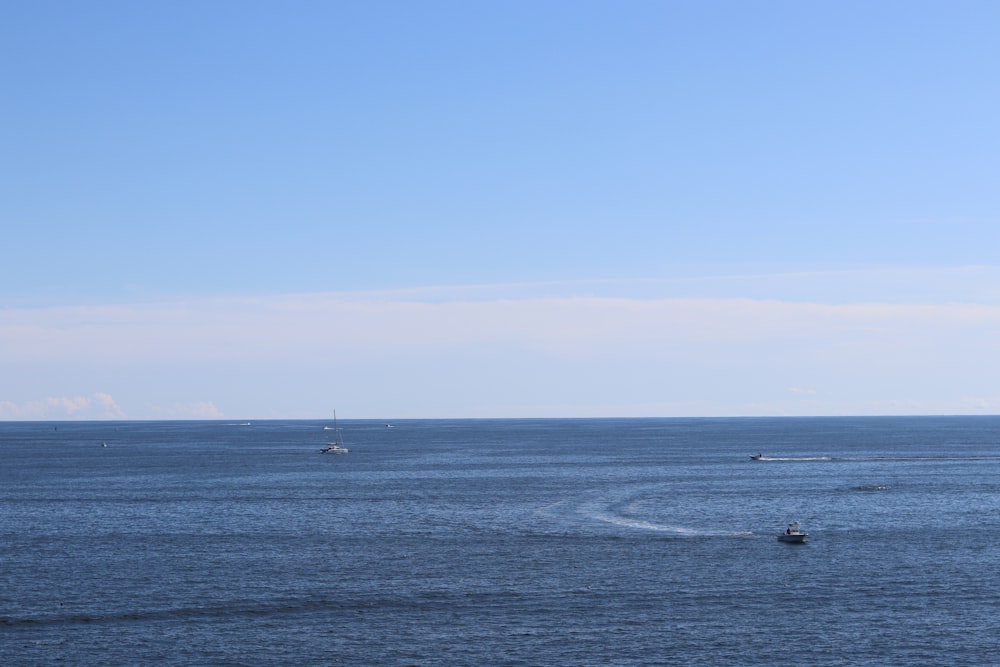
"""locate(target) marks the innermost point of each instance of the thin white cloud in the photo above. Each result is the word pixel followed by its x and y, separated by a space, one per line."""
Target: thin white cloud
pixel 544 355
pixel 867 284
pixel 284 327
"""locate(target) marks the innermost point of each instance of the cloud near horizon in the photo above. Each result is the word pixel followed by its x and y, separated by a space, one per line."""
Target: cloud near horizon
pixel 96 406
pixel 99 406
pixel 715 355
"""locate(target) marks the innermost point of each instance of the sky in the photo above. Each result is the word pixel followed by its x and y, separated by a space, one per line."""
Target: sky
pixel 447 209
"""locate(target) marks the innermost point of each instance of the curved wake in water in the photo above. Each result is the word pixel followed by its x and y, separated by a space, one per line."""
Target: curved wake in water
pixel 683 531
pixel 920 458
pixel 794 458
pixel 640 524
pixel 626 512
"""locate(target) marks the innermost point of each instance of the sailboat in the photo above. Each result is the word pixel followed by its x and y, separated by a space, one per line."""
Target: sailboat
pixel 337 446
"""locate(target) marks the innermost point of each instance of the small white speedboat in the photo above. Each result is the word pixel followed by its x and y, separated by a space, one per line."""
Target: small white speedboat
pixel 793 534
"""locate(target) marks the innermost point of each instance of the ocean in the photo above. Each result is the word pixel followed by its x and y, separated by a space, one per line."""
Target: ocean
pixel 501 542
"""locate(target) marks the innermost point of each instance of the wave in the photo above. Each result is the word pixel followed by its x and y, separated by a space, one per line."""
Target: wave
pixel 219 609
pixel 875 458
pixel 872 487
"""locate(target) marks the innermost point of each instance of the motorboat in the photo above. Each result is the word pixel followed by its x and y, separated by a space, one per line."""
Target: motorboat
pixel 793 534
pixel 756 457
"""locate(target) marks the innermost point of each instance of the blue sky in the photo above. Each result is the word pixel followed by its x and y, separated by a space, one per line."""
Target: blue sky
pixel 455 209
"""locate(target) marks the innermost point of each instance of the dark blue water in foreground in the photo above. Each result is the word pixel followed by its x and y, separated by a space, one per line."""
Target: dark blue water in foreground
pixel 501 542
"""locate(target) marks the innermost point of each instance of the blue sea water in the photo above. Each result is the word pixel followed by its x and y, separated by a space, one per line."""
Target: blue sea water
pixel 501 542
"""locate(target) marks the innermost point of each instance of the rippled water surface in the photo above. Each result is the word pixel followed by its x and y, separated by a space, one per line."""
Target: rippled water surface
pixel 502 542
